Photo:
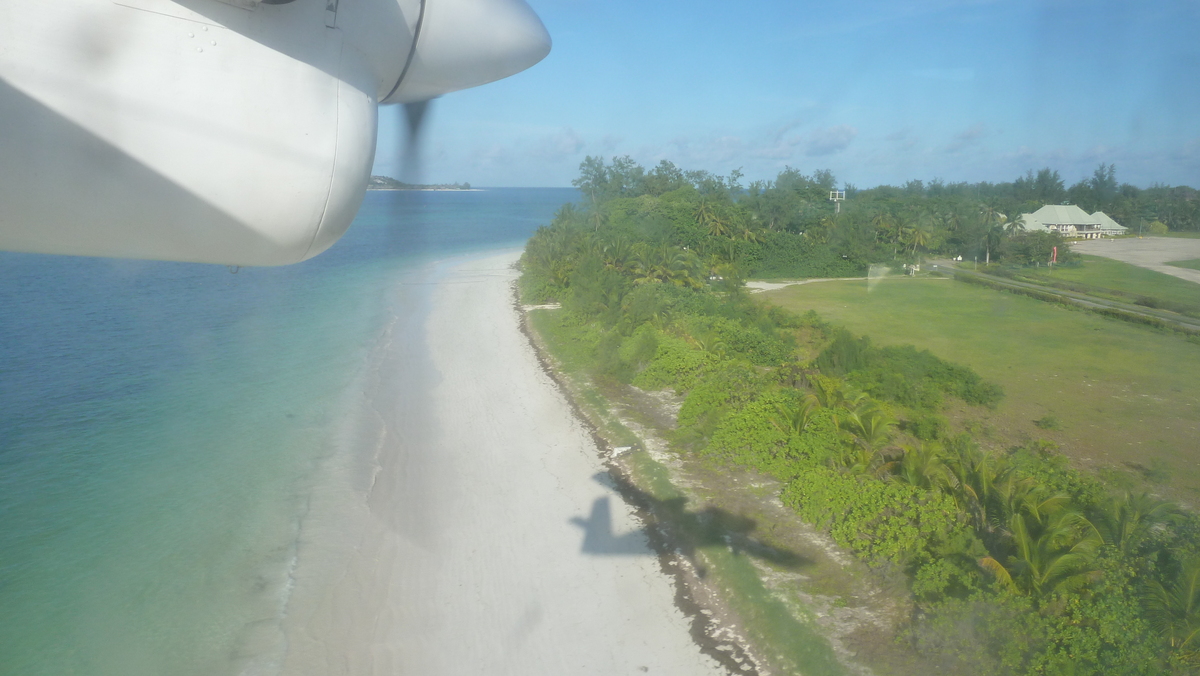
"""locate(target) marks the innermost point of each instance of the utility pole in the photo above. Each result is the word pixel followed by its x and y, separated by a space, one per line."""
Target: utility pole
pixel 836 196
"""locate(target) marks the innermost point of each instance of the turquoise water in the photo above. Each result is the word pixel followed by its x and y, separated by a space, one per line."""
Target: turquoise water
pixel 162 426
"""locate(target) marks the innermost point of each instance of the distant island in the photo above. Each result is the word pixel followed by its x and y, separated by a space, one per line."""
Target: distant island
pixel 389 183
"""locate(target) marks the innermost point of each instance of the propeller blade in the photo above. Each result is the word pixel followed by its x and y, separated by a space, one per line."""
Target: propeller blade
pixel 415 115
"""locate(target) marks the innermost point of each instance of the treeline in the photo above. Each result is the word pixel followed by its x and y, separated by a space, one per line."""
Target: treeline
pixel 1178 208
pixel 1016 563
pixel 788 226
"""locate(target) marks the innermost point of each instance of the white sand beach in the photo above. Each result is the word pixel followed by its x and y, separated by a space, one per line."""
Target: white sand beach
pixel 459 555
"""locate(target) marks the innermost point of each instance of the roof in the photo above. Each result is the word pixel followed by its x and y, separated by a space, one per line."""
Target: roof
pixel 1107 223
pixel 1060 214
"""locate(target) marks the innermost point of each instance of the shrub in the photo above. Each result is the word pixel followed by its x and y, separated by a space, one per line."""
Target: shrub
pixel 676 364
pixel 757 436
pixel 881 521
pixel 726 385
pixel 904 374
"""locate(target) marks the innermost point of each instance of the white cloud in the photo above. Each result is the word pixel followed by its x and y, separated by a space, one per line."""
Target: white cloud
pixel 966 138
pixel 1189 151
pixel 903 139
pixel 830 140
pixel 558 146
pixel 609 143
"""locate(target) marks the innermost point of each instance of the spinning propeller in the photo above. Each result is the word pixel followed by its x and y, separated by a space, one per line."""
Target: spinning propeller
pixel 410 153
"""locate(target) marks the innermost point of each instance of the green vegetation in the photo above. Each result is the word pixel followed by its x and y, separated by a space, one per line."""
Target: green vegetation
pixel 1108 278
pixel 1193 264
pixel 795 640
pixel 1120 394
pixel 1015 562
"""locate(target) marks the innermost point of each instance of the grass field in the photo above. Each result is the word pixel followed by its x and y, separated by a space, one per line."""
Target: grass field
pixel 1124 396
pixel 1124 281
pixel 1184 235
pixel 1193 264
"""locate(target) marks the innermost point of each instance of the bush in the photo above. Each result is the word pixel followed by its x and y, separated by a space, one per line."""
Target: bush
pixel 881 521
pixel 537 288
pixel 676 364
pixel 904 374
pixel 727 385
pixel 757 436
pixel 785 254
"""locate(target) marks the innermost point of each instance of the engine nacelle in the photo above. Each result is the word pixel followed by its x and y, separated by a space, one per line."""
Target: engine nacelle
pixel 205 131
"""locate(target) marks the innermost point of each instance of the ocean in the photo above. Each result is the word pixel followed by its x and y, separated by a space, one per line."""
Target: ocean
pixel 163 427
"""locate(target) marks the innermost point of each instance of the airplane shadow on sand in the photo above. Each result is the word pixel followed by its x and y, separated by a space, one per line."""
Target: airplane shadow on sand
pixel 671 526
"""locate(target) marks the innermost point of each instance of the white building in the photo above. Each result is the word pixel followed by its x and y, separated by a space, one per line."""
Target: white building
pixel 1071 221
pixel 1109 227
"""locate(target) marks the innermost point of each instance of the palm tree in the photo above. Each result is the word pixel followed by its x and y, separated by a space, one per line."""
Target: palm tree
pixel 871 428
pixel 566 214
pixel 832 393
pixel 746 232
pixel 597 217
pixel 1056 553
pixel 684 268
pixel 711 342
pixel 991 215
pixel 922 466
pixel 992 229
pixel 796 420
pixel 954 220
pixel 712 218
pixel 1173 609
pixel 885 226
pixel 1125 522
pixel 992 235
pixel 976 475
pixel 616 253
pixel 919 236
pixel 645 264
pixel 1015 225
pixel 903 229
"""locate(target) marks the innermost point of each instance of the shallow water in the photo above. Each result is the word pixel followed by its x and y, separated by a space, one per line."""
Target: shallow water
pixel 162 427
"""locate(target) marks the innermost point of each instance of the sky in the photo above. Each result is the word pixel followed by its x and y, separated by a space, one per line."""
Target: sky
pixel 877 91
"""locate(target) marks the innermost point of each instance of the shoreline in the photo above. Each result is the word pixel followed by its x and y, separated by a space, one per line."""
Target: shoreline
pixel 736 656
pixel 728 614
pixel 448 538
pixel 427 189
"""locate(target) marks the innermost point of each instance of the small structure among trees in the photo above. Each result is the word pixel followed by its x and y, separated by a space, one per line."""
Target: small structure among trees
pixel 1071 221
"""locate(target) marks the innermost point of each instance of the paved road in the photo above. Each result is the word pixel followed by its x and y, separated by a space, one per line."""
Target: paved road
pixel 1152 253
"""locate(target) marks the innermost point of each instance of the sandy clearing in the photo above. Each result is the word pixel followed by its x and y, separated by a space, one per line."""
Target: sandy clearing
pixel 757 286
pixel 1152 253
pixel 459 556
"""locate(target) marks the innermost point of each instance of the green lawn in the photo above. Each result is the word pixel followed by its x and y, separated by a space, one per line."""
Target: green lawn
pixel 1125 282
pixel 1193 264
pixel 1121 393
pixel 1184 235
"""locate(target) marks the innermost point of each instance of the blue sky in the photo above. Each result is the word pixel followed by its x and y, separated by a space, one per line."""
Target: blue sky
pixel 877 91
